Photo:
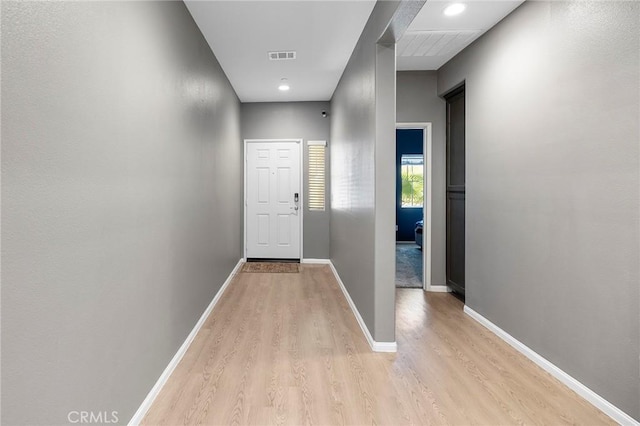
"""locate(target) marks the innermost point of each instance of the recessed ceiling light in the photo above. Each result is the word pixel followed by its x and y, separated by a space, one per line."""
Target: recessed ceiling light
pixel 454 9
pixel 284 85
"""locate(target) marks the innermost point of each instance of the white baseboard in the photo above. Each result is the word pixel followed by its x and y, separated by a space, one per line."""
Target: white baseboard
pixel 439 289
pixel 384 346
pixel 375 346
pixel 164 377
pixel 602 404
pixel 316 261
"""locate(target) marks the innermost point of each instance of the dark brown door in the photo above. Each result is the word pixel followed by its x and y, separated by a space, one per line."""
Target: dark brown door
pixel 455 189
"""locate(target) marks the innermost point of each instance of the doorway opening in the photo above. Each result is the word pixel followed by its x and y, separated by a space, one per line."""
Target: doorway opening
pixel 413 205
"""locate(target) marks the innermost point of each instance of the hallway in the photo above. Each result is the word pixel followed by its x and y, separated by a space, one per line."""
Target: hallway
pixel 286 349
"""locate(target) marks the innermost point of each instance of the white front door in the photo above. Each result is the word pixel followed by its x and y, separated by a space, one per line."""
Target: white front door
pixel 273 200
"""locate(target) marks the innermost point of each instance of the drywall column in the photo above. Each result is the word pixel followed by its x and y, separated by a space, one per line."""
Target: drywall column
pixel 353 177
pixel 385 192
pixel 363 169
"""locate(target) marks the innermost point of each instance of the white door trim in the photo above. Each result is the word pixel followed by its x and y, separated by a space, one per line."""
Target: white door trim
pixel 428 205
pixel 244 198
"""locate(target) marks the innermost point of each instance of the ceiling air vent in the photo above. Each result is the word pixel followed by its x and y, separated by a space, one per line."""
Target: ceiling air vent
pixel 282 56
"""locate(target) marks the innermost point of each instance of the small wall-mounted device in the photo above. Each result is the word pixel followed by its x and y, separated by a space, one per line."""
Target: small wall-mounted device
pixel 324 113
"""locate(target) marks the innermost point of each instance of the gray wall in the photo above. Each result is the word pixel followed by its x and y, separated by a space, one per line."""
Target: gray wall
pixel 296 120
pixel 553 131
pixel 120 200
pixel 362 205
pixel 418 101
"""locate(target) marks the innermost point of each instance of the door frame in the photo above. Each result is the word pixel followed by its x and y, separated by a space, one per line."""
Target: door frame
pixel 427 149
pixel 244 197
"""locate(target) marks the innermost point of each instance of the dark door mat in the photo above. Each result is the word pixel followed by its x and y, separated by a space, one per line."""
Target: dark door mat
pixel 271 267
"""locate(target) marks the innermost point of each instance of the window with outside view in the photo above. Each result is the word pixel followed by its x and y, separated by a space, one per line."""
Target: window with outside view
pixel 412 173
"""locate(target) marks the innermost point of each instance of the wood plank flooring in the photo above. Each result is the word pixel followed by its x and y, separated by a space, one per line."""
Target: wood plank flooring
pixel 286 349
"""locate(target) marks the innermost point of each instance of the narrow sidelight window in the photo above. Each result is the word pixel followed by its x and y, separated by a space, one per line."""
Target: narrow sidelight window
pixel 317 178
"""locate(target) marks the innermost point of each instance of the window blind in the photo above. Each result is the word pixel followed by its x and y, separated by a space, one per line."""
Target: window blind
pixel 316 193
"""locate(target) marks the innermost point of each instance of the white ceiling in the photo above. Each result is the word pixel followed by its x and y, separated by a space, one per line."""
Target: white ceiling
pixel 323 33
pixel 432 39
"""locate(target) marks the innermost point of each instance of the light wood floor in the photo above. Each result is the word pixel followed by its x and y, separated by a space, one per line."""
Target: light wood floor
pixel 286 349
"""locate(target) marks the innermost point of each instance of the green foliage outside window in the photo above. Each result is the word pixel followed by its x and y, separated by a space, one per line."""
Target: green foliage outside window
pixel 412 173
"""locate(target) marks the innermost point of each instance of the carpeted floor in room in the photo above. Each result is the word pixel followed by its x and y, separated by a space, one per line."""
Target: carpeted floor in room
pixel 408 266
